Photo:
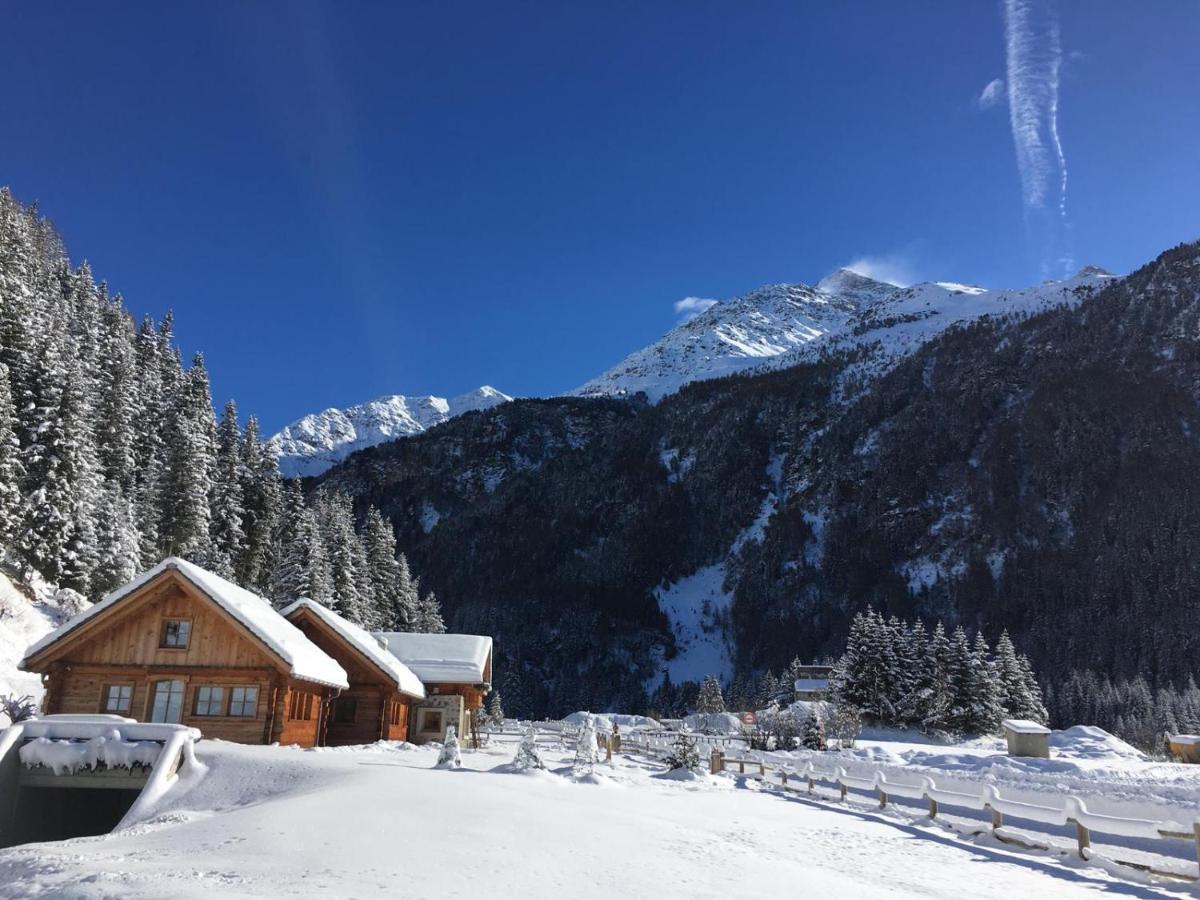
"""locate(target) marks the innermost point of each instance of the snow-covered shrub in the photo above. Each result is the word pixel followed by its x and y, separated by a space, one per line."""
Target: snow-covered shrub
pixel 845 724
pixel 17 709
pixel 450 756
pixel 587 752
pixel 683 753
pixel 813 736
pixel 528 756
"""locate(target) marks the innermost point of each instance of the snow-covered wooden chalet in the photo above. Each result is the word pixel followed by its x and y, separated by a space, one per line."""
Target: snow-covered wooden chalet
pixel 180 644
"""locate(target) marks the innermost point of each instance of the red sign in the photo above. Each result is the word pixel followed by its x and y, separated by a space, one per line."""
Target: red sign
pixel 749 718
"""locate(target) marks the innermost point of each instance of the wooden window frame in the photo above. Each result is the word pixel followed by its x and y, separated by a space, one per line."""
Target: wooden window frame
pixel 222 702
pixel 105 688
pixel 162 633
pixel 152 694
pixel 253 714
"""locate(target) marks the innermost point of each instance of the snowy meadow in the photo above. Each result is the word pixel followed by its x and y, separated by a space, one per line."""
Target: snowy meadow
pixel 385 819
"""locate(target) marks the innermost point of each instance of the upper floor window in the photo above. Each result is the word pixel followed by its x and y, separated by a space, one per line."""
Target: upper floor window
pixel 176 634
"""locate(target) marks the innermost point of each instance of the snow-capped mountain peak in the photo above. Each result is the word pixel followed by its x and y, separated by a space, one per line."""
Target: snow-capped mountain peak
pixel 312 444
pixel 782 325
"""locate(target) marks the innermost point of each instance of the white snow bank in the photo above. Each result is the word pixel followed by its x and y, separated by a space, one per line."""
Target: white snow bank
pixel 25 620
pixel 714 723
pixel 1024 726
pixel 365 643
pixel 604 722
pixel 306 660
pixel 448 658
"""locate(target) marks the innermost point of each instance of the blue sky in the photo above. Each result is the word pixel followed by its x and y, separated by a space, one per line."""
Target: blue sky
pixel 346 201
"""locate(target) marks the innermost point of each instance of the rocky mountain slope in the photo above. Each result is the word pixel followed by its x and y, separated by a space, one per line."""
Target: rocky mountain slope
pixel 1028 471
pixel 782 325
pixel 312 444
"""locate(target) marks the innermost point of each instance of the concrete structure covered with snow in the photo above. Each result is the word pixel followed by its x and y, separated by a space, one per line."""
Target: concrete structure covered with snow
pixel 457 672
pixel 179 644
pixel 377 704
pixel 1026 738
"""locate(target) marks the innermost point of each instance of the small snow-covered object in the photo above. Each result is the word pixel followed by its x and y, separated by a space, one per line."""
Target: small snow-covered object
pixel 587 752
pixel 684 754
pixel 450 756
pixel 528 756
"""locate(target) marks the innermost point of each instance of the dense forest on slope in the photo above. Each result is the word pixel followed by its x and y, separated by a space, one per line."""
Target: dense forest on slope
pixel 111 457
pixel 1031 474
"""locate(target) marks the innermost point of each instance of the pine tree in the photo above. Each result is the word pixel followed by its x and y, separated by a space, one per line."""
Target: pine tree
pixel 429 615
pixel 391 585
pixel 12 471
pixel 528 756
pixel 450 756
pixel 351 596
pixel 983 689
pixel 939 703
pixel 117 542
pixel 1035 710
pixel 813 735
pixel 683 755
pixel 1014 696
pixel 711 701
pixel 263 496
pixel 228 509
pixel 495 710
pixel 190 462
pixel 587 752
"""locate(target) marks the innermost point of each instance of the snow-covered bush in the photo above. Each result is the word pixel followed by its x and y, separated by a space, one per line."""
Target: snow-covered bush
pixel 587 752
pixel 683 753
pixel 450 756
pixel 17 709
pixel 528 756
pixel 845 725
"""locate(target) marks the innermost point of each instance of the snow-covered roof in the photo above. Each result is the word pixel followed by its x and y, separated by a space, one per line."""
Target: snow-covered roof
pixel 811 684
pixel 1190 739
pixel 365 643
pixel 455 658
pixel 305 659
pixel 1024 726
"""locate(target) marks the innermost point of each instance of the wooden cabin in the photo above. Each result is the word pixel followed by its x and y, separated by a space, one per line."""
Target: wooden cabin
pixel 382 689
pixel 180 644
pixel 456 670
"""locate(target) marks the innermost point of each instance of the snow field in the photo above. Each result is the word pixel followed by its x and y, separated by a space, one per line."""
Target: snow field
pixel 380 820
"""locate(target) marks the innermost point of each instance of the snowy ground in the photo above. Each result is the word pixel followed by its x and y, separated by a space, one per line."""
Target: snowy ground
pixel 366 822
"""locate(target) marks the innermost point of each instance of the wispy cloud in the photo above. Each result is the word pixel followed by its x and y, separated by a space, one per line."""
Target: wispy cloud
pixel 1034 64
pixel 892 268
pixel 992 93
pixel 690 307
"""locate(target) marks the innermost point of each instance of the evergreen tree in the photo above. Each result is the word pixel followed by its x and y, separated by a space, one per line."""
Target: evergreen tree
pixel 429 615
pixel 683 755
pixel 117 542
pixel 12 471
pixel 711 699
pixel 228 510
pixel 450 756
pixel 186 513
pixel 392 589
pixel 263 493
pixel 528 755
pixel 587 753
pixel 813 735
pixel 495 710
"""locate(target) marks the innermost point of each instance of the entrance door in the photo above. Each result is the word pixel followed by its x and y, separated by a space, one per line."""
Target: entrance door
pixel 168 702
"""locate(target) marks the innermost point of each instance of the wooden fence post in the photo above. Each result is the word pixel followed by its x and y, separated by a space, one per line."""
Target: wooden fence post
pixel 1084 839
pixel 762 768
pixel 811 784
pixel 783 777
pixel 842 785
pixel 1196 831
pixel 997 818
pixel 932 808
pixel 882 798
pixel 716 764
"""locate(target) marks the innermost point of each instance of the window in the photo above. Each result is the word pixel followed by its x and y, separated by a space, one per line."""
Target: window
pixel 431 720
pixel 243 701
pixel 118 698
pixel 210 701
pixel 168 701
pixel 345 710
pixel 176 634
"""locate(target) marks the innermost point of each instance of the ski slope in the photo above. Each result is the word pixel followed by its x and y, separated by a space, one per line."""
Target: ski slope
pixel 380 821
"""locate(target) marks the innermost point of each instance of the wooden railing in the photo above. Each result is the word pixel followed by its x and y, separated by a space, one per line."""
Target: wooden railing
pixel 805 778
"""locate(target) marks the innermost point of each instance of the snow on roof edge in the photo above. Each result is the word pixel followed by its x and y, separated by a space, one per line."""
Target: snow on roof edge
pixel 306 661
pixel 367 644
pixel 448 658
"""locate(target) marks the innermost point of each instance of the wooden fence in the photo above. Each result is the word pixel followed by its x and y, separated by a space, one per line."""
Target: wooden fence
pixel 805 777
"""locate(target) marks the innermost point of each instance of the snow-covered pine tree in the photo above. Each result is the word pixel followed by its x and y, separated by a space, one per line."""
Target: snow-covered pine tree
pixel 867 674
pixel 528 755
pixel 185 498
pixel 683 754
pixel 450 756
pixel 495 711
pixel 117 544
pixel 711 699
pixel 1013 693
pixel 914 660
pixel 812 737
pixel 391 585
pixel 1036 710
pixel 983 690
pixel 228 508
pixel 12 471
pixel 587 752
pixel 940 701
pixel 406 599
pixel 263 491
pixel 347 559
pixel 429 615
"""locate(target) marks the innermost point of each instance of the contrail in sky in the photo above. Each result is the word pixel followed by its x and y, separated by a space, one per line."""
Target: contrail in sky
pixel 1034 54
